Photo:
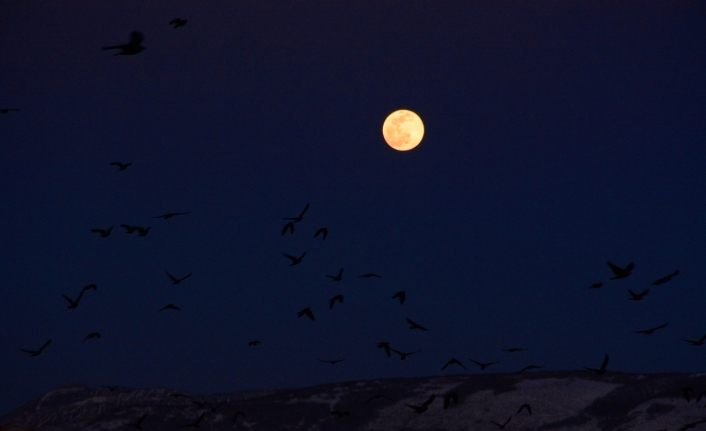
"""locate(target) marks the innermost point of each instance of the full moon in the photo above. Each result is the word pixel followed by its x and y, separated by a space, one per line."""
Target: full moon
pixel 403 130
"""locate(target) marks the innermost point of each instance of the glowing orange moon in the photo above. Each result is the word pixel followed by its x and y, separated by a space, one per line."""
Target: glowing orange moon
pixel 403 130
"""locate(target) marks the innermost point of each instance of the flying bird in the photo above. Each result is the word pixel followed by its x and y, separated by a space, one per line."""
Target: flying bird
pixel 400 296
pixel 300 217
pixel 369 275
pixel 8 110
pixel 92 336
pixel 619 272
pixel 178 22
pixel 132 47
pixel 404 355
pixel 698 341
pixel 338 299
pixel 331 361
pixel 385 346
pixel 453 361
pixel 415 326
pixel 482 365
pixel 602 369
pixel 170 307
pixel 638 296
pixel 104 233
pixel 294 260
pixel 503 425
pixel 514 349
pixel 338 276
pixel 650 331
pixel 322 231
pixel 421 408
pixel 73 303
pixel 121 166
pixel 129 228
pixel 306 312
pixel 289 227
pixel 665 279
pixel 177 280
pixel 167 216
pixel 597 285
pixel 530 367
pixel 143 231
pixel 254 343
pixel 524 406
pixel 37 352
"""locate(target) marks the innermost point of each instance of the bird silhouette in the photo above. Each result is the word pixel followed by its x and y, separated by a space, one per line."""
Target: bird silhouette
pixel 502 425
pixel 294 260
pixel 306 312
pixel 92 336
pixel 400 296
pixel 37 352
pixel 650 331
pixel 602 369
pixel 665 279
pixel 514 349
pixel 334 300
pixel 121 166
pixel 638 296
pixel 524 406
pixel 453 361
pixel 338 276
pixel 415 326
pixel 370 275
pixel 73 303
pixel 167 216
pixel 138 423
pixel 404 355
pixel 596 285
pixel 482 365
pixel 697 342
pixel 170 307
pixel 449 399
pixel 178 22
pixel 322 231
pixel 8 110
pixel 331 361
pixel 619 272
pixel 300 217
pixel 104 233
pixel 132 47
pixel 421 408
pixel 385 346
pixel 530 367
pixel 177 280
pixel 254 343
pixel 289 227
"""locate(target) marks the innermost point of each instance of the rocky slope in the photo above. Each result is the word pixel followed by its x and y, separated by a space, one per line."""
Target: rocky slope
pixel 578 401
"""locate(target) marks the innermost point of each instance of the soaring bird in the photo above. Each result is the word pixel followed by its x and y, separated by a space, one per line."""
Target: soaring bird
pixel 178 22
pixel 602 369
pixel 524 406
pixel 385 346
pixel 8 110
pixel 338 299
pixel 37 352
pixel 400 296
pixel 306 312
pixel 132 47
pixel 177 280
pixel 254 343
pixel 121 166
pixel 634 296
pixel 104 233
pixel 289 227
pixel 331 361
pixel 92 336
pixel 698 341
pixel 300 217
pixel 666 278
pixel 73 303
pixel 421 408
pixel 338 276
pixel 415 326
pixel 322 231
pixel 453 361
pixel 404 355
pixel 530 367
pixel 514 349
pixel 167 216
pixel 502 425
pixel 619 272
pixel 482 365
pixel 650 331
pixel 370 275
pixel 294 260
pixel 170 307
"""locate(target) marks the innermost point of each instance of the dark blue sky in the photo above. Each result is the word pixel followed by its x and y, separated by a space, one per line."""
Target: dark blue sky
pixel 558 136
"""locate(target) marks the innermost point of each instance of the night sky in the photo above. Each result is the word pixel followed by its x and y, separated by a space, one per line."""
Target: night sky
pixel 559 136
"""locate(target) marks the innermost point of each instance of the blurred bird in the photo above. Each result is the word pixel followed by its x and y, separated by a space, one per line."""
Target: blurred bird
pixel 415 326
pixel 619 272
pixel 453 361
pixel 254 343
pixel 8 110
pixel 385 346
pixel 177 280
pixel 177 22
pixel 104 233
pixel 503 425
pixel 697 342
pixel 338 299
pixel 530 367
pixel 73 303
pixel 524 406
pixel 92 336
pixel 421 408
pixel 400 296
pixel 132 47
pixel 300 217
pixel 597 285
pixel 602 369
pixel 294 260
pixel 514 349
pixel 338 276
pixel 170 307
pixel 35 353
pixel 482 365
pixel 331 361
pixel 306 312
pixel 404 355
pixel 121 166
pixel 665 279
pixel 638 296
pixel 143 231
pixel 650 331
pixel 369 275
pixel 167 216
pixel 289 227
pixel 322 231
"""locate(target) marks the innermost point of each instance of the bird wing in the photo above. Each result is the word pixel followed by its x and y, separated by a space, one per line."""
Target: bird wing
pixel 174 279
pixel 615 268
pixel 69 300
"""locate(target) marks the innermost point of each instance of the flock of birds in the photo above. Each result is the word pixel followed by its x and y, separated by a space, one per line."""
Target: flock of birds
pixel 135 46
